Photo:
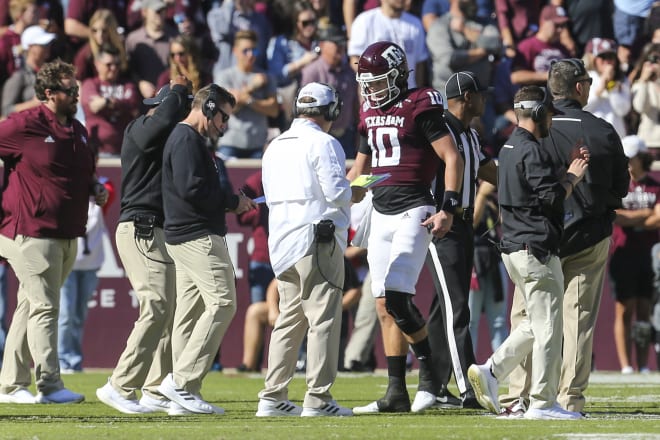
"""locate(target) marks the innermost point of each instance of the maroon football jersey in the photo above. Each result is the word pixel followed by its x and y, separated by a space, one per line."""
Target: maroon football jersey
pixel 397 146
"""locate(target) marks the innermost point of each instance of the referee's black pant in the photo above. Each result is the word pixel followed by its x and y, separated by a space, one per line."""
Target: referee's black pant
pixel 450 261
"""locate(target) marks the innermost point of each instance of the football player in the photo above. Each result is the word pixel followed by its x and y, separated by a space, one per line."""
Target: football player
pixel 404 135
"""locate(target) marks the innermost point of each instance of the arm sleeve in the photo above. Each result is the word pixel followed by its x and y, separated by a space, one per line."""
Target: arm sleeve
pixel 331 170
pixel 163 118
pixel 11 137
pixel 539 174
pixel 432 125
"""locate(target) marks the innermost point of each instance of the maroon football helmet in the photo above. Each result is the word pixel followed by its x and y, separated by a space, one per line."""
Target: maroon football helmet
pixel 382 73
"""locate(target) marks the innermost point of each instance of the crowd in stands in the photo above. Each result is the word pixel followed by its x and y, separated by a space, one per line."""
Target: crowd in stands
pixel 508 43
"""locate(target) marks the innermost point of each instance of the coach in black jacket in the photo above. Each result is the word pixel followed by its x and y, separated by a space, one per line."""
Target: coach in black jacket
pixel 147 358
pixel 588 216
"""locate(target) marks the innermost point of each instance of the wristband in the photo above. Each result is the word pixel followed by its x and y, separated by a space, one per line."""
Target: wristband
pixel 450 202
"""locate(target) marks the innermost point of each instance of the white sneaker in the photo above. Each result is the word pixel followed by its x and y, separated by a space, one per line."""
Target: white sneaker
pixel 277 408
pixel 423 401
pixel 190 402
pixel 485 387
pixel 371 408
pixel 154 404
pixel 19 396
pixel 108 395
pixel 555 412
pixel 59 396
pixel 627 370
pixel 329 409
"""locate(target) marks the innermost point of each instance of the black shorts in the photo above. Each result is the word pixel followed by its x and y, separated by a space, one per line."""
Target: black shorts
pixel 631 275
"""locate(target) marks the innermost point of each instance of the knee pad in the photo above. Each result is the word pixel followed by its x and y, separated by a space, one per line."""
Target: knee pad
pixel 404 311
pixel 641 333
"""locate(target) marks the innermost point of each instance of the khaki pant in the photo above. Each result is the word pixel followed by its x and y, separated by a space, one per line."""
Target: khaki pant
pixel 538 333
pixel 307 301
pixel 147 358
pixel 206 304
pixel 41 266
pixel 584 275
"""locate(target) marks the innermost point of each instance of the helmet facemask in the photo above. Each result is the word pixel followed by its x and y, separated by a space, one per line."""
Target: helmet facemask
pixel 379 90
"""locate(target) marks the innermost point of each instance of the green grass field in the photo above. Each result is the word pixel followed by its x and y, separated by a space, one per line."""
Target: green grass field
pixel 617 410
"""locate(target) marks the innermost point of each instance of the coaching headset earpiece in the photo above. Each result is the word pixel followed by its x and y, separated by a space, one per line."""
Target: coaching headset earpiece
pixel 538 108
pixel 210 106
pixel 331 111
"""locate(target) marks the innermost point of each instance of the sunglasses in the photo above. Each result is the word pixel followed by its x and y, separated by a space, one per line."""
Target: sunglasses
pixel 306 23
pixel 588 80
pixel 653 59
pixel 71 91
pixel 225 116
pixel 177 54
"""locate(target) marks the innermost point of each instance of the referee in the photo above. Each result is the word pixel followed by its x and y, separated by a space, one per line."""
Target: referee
pixel 450 258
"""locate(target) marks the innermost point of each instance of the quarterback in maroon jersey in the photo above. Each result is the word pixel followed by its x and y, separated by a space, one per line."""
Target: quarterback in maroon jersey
pixel 405 137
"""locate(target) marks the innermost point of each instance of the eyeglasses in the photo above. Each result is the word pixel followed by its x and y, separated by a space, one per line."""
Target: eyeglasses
pixel 177 54
pixel 225 116
pixel 306 23
pixel 71 91
pixel 248 50
pixel 589 80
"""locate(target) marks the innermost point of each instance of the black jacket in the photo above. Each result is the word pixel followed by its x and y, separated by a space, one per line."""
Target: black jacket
pixel 530 196
pixel 193 199
pixel 142 156
pixel 589 211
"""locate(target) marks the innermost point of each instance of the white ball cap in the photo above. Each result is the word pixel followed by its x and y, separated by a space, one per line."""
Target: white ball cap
pixel 322 94
pixel 36 35
pixel 633 145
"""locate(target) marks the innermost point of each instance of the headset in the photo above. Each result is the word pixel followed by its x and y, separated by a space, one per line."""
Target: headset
pixel 210 105
pixel 538 108
pixel 331 111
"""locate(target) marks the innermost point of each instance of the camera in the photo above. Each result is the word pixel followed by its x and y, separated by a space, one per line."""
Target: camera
pixel 324 231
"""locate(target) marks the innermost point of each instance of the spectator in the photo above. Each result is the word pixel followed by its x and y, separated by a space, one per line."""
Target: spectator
pixel 534 54
pixel 258 316
pixel 194 204
pixel 332 68
pixel 40 241
pixel 109 102
pixel 289 53
pixel 656 309
pixel 260 275
pixel 80 12
pixel 609 97
pixel 457 42
pixel 631 271
pixel 18 92
pixel 233 16
pixel 353 8
pixel 192 27
pixel 256 101
pixel 308 223
pixel 24 13
pixel 628 22
pixel 80 285
pixel 391 22
pixel 646 97
pixel 147 358
pixel 103 29
pixel 185 60
pixel 488 289
pixel 589 18
pixel 531 198
pixel 517 20
pixel 432 9
pixel 148 47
